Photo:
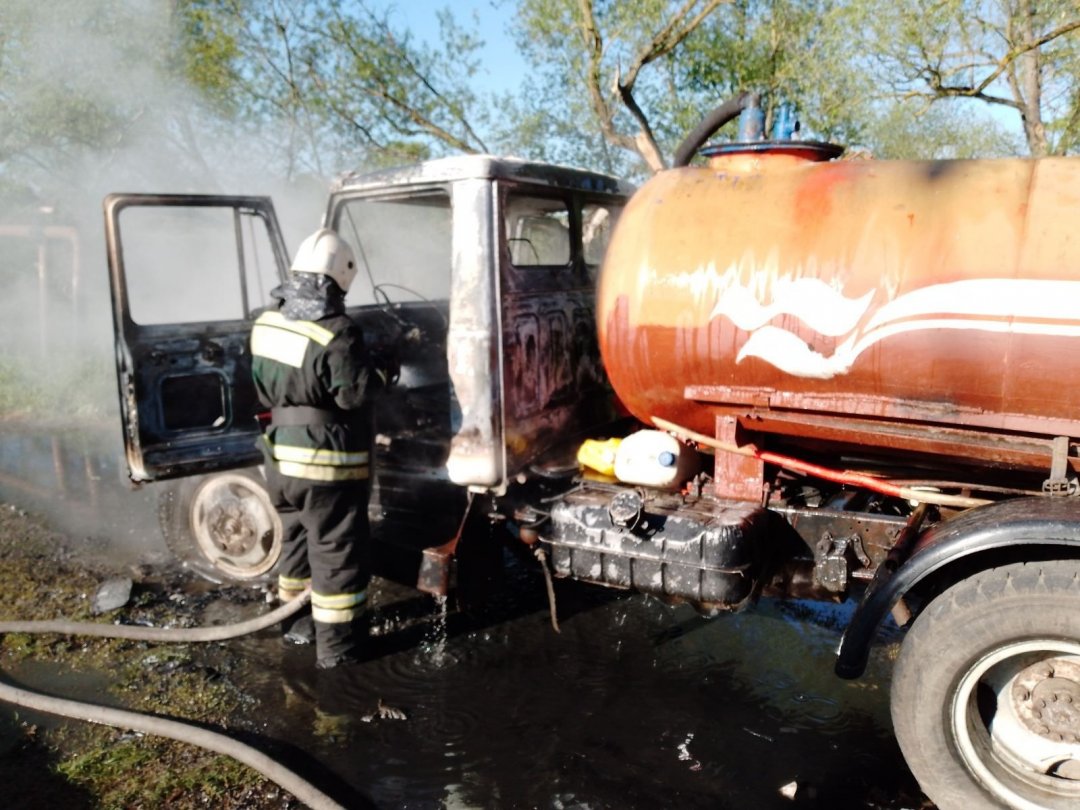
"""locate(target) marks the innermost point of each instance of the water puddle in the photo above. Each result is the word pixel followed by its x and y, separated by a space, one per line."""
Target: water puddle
pixel 634 704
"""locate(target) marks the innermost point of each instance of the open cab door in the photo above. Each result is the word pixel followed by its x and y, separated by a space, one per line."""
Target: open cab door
pixel 190 273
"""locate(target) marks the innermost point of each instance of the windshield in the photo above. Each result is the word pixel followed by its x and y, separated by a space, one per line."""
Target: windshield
pixel 402 246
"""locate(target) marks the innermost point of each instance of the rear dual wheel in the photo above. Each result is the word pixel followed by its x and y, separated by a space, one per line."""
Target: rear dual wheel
pixel 223 526
pixel 986 692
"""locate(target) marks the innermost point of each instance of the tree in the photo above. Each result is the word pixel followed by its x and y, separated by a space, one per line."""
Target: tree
pixel 101 92
pixel 336 81
pixel 1016 55
pixel 645 72
pixel 615 59
pixel 62 91
pixel 804 51
pixel 905 129
pixel 796 51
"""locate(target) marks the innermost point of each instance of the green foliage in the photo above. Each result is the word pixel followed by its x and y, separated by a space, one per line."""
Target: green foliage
pixel 788 50
pixel 59 96
pixel 208 52
pixel 910 130
pixel 329 84
pixel 316 86
pixel 1018 57
pixel 570 111
pixel 377 83
pixel 862 72
pixel 97 96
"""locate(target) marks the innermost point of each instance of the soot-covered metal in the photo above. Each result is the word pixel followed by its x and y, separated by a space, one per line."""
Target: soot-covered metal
pixel 674 546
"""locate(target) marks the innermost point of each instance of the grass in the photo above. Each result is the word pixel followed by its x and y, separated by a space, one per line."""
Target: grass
pixel 81 765
pixel 129 771
pixel 31 387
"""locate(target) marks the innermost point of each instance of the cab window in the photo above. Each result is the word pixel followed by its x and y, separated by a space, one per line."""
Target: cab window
pixel 597 222
pixel 402 245
pixel 196 263
pixel 537 231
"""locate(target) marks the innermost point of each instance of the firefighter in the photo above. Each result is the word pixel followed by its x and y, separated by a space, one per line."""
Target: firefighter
pixel 312 370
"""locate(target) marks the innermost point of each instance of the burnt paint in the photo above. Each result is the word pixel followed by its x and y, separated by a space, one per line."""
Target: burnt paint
pixel 555 387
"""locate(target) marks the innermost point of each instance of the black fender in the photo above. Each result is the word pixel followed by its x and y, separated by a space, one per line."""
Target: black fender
pixel 1045 522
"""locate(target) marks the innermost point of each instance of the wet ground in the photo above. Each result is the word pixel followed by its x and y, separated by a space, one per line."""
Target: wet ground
pixel 634 704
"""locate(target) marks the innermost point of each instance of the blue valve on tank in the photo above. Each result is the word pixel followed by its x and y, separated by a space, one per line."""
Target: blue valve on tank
pixel 785 123
pixel 752 122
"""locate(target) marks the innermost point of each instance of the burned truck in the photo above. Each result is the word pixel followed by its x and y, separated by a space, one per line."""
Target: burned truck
pixel 768 372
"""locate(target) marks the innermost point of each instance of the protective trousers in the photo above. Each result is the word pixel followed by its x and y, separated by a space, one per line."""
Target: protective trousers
pixel 325 544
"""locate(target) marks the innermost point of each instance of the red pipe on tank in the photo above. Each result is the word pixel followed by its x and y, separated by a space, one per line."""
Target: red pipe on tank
pixel 836 476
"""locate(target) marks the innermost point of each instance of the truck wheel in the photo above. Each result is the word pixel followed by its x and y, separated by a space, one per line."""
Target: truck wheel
pixel 986 691
pixel 223 526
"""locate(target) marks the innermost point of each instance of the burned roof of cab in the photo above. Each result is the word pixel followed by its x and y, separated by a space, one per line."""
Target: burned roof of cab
pixel 465 167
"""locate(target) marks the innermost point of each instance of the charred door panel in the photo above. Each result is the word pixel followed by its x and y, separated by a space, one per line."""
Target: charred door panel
pixel 555 359
pixel 189 275
pixel 522 351
pixel 554 388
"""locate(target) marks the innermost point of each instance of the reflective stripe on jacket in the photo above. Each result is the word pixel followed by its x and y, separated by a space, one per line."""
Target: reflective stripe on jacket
pixel 321 365
pixel 277 338
pixel 319 465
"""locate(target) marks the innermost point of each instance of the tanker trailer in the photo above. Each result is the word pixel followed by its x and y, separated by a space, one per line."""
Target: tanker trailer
pixel 880 358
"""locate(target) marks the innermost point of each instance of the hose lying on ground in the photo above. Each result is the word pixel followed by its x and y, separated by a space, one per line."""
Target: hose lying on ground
pixel 163 727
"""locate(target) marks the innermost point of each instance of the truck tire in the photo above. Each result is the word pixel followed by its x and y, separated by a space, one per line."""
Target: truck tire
pixel 986 691
pixel 222 526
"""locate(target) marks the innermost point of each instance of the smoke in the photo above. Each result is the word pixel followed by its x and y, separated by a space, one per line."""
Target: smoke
pixel 93 101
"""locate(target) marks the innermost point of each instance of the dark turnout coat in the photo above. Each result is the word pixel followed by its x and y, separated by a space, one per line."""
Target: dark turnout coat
pixel 315 378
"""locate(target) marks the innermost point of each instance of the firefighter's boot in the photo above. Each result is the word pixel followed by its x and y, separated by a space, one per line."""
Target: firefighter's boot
pixel 299 629
pixel 337 644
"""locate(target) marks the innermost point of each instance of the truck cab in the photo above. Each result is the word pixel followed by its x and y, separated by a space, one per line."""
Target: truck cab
pixel 477 274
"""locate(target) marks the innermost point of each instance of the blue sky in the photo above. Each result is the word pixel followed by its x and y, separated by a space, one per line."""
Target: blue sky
pixel 503 67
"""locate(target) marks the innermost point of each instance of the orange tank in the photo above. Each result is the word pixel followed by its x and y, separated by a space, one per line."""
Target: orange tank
pixel 931 307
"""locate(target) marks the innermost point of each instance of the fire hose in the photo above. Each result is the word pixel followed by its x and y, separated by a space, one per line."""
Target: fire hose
pixel 160 726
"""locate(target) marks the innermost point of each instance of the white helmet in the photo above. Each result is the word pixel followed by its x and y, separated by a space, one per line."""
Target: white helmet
pixel 326 253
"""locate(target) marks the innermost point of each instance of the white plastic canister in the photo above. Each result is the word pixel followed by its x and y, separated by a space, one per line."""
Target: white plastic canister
pixel 653 458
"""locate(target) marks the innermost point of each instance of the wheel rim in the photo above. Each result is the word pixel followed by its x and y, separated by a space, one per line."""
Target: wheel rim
pixel 1016 721
pixel 236 527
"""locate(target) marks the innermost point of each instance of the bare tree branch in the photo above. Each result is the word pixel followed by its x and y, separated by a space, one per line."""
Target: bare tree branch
pixel 989 99
pixel 645 141
pixel 677 29
pixel 1007 60
pixel 380 89
pixel 425 80
pixel 671 36
pixel 297 111
pixel 341 113
pixel 594 45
